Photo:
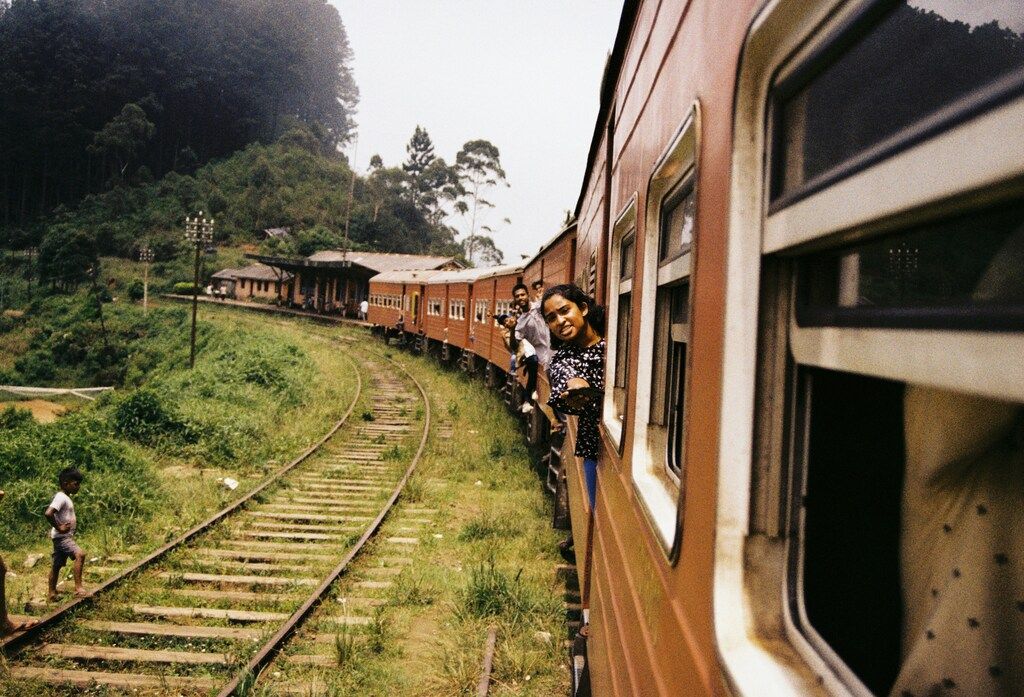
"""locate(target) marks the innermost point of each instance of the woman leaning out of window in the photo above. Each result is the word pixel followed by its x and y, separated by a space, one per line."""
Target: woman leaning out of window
pixel 576 371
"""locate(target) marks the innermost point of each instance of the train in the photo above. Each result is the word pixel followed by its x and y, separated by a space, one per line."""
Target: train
pixel 805 220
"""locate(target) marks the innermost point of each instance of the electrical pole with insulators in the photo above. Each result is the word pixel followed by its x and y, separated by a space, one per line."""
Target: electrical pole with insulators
pixel 198 232
pixel 146 257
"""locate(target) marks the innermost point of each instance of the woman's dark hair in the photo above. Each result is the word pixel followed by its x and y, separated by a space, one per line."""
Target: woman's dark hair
pixel 574 294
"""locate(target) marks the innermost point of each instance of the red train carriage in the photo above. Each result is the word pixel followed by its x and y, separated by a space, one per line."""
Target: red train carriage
pixel 457 287
pixel 397 297
pixel 812 266
pixel 496 288
pixel 555 261
pixel 807 228
pixel 434 323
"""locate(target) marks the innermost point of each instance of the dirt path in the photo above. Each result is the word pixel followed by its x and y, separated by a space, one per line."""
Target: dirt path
pixel 43 411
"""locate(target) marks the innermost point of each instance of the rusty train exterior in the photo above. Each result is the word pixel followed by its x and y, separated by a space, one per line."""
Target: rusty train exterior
pixel 805 221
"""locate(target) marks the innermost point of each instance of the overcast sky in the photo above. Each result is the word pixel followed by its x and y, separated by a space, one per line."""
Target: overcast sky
pixel 524 75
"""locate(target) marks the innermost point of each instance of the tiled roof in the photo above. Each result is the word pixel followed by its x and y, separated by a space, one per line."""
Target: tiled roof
pixel 256 272
pixel 226 273
pixel 382 262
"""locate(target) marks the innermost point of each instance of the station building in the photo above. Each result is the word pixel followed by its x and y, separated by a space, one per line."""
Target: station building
pixel 336 281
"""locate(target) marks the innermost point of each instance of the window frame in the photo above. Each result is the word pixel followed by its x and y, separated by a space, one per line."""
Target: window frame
pixel 662 495
pixel 754 540
pixel 616 425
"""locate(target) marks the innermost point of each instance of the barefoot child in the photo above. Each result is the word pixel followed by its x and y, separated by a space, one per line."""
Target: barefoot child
pixel 61 514
pixel 6 625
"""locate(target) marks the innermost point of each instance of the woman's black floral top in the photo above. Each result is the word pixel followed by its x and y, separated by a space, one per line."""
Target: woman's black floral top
pixel 572 362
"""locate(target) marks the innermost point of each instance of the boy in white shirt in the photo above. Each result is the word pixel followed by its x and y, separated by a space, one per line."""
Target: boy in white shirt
pixel 61 514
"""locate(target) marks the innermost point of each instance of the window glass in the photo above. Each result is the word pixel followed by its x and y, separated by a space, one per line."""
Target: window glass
pixel 671 333
pixel 677 220
pixel 916 59
pixel 929 275
pixel 627 257
pixel 621 353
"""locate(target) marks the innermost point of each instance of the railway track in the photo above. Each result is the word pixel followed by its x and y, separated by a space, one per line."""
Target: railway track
pixel 207 612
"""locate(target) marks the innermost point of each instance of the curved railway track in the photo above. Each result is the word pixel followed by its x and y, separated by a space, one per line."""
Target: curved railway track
pixel 242 577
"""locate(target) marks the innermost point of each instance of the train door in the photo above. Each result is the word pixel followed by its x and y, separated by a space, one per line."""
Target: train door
pixel 415 307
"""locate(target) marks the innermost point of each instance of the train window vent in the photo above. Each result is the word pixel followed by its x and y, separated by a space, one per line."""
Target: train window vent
pixel 592 274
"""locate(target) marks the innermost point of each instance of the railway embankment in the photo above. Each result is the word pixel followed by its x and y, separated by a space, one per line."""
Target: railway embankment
pixel 407 608
pixel 157 451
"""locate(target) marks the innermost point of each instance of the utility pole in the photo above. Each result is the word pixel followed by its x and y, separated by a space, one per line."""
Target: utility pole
pixel 146 257
pixel 198 232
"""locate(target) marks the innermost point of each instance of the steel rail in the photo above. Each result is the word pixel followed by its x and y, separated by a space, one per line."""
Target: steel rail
pixel 273 646
pixel 11 645
pixel 483 687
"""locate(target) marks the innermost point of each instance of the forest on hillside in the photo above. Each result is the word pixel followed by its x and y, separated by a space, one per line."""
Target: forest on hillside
pixel 121 117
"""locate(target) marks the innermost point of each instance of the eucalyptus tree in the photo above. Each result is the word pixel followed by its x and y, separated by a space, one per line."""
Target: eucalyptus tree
pixel 479 169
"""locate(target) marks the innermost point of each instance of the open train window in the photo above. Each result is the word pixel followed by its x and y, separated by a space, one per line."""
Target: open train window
pixel 869 425
pixel 621 263
pixel 658 453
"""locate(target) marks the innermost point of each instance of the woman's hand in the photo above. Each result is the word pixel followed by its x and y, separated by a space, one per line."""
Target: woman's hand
pixel 578 401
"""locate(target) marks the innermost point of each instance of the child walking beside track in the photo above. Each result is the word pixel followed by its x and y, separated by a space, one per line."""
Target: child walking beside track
pixel 61 514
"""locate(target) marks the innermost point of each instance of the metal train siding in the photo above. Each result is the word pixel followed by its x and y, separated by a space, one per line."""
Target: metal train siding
pixel 706 567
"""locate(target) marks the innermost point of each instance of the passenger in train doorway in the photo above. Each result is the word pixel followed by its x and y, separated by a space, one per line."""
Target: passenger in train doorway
pixel 576 371
pixel 531 328
pixel 518 349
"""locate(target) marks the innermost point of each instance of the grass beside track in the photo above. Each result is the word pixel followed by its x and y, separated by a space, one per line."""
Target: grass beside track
pixel 184 481
pixel 485 556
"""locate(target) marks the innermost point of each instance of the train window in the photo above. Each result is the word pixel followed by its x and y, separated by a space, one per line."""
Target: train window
pixel 867 426
pixel 961 271
pixel 893 75
pixel 481 311
pixel 659 417
pixel 621 261
pixel 671 335
pixel 677 221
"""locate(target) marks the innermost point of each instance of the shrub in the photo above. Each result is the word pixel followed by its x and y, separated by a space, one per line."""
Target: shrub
pixel 136 290
pixel 145 418
pixel 12 418
pixel 183 288
pixel 491 592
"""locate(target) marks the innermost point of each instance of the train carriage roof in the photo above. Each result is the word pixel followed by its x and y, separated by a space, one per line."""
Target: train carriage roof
pixel 564 232
pixel 460 276
pixel 407 276
pixel 508 270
